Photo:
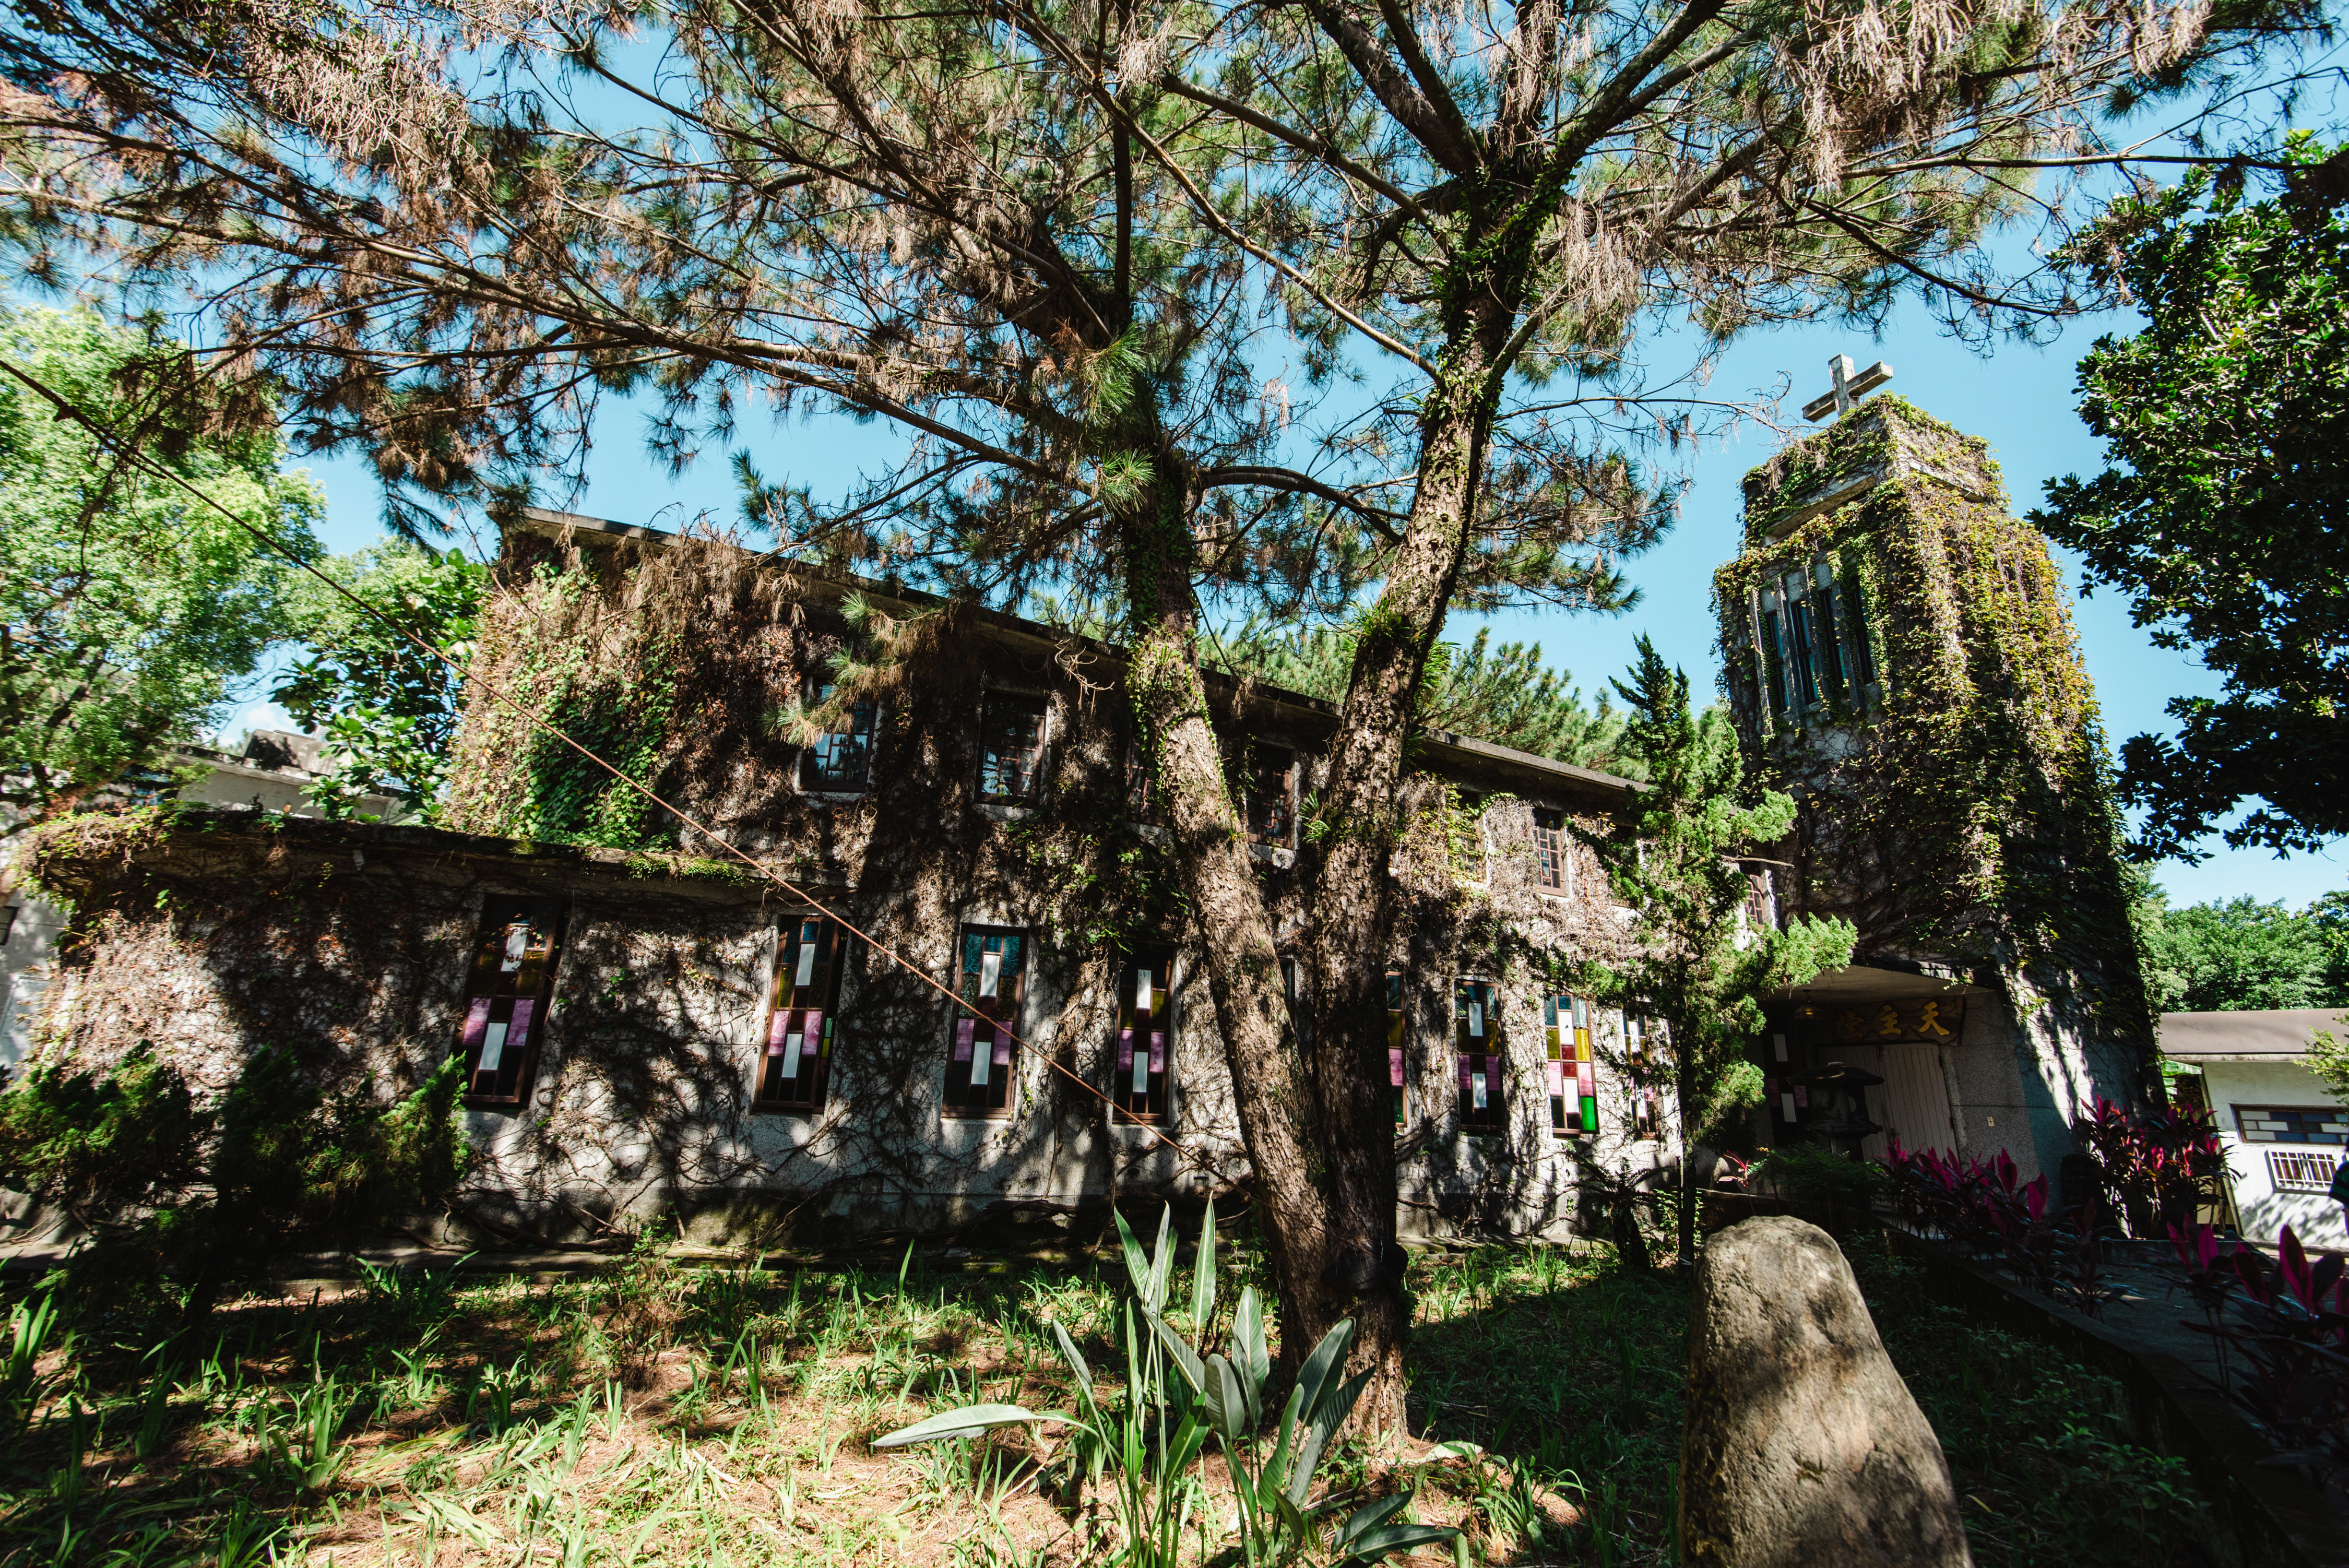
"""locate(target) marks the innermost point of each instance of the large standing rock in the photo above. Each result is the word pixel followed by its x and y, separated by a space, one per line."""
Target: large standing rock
pixel 1803 1446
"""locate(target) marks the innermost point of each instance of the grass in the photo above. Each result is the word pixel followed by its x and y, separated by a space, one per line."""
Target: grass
pixel 662 1414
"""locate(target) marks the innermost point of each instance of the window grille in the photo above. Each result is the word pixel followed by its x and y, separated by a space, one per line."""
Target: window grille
pixel 840 760
pixel 1011 745
pixel 1476 1043
pixel 1550 850
pixel 984 1055
pixel 2302 1169
pixel 505 998
pixel 796 1067
pixel 1144 1036
pixel 1573 1072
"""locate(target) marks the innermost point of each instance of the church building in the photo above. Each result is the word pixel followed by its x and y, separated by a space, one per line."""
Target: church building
pixel 647 1030
pixel 1899 656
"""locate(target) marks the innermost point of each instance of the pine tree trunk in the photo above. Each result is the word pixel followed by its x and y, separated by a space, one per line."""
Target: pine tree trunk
pixel 1319 1130
pixel 1280 1121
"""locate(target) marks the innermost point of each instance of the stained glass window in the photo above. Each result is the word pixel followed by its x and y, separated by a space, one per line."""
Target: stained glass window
pixel 983 1054
pixel 1146 1037
pixel 795 1066
pixel 505 998
pixel 1572 1069
pixel 1476 1043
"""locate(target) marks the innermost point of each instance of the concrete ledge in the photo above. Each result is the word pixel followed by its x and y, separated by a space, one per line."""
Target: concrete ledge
pixel 2265 1514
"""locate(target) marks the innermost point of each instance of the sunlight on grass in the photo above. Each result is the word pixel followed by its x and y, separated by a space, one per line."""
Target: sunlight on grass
pixel 661 1414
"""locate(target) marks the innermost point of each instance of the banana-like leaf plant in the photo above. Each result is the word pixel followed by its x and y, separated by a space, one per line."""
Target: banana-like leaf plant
pixel 1153 1438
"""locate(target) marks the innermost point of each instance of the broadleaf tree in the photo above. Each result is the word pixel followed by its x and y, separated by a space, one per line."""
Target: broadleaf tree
pixel 1707 956
pixel 388 709
pixel 2224 513
pixel 1039 240
pixel 128 610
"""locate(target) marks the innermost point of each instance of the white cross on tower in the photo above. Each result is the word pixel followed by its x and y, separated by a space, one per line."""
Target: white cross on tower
pixel 1848 389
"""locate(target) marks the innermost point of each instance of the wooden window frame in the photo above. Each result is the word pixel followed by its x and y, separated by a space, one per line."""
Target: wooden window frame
pixel 1553 869
pixel 990 761
pixel 1271 820
pixel 1647 1115
pixel 1144 1040
pixel 1803 646
pixel 816 776
pixel 1835 676
pixel 1855 610
pixel 997 1018
pixel 1141 786
pixel 816 946
pixel 492 998
pixel 1476 1021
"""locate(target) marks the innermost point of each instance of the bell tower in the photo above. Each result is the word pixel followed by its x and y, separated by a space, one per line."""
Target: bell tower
pixel 1899 656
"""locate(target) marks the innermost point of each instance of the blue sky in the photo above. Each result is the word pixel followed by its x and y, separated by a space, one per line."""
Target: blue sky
pixel 2018 398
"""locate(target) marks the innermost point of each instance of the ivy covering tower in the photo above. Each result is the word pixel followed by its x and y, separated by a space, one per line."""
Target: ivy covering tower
pixel 1899 657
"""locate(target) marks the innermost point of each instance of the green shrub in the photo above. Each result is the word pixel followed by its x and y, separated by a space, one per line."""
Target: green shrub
pixel 173 1190
pixel 1808 1174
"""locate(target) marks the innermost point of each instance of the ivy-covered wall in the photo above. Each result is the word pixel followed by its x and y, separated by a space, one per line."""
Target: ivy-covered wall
pixel 683 658
pixel 1957 808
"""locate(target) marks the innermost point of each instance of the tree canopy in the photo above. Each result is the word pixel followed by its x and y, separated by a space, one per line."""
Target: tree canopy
pixel 1706 959
pixel 388 709
pixel 2224 515
pixel 1506 694
pixel 2243 954
pixel 1092 261
pixel 128 610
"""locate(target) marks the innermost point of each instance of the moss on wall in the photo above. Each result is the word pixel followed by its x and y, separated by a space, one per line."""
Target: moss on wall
pixel 1967 813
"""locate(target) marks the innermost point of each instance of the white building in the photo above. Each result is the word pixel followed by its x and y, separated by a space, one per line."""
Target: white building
pixel 2285 1131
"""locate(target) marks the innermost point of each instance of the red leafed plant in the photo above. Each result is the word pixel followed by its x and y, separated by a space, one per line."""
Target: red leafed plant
pixel 2155 1168
pixel 1980 1207
pixel 2287 1321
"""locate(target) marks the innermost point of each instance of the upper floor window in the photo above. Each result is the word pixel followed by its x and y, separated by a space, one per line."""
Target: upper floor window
pixel 797 1066
pixel 1011 745
pixel 1268 794
pixel 1573 1072
pixel 1799 638
pixel 1144 1032
pixel 992 982
pixel 1550 850
pixel 1476 1040
pixel 1860 663
pixel 505 998
pixel 842 759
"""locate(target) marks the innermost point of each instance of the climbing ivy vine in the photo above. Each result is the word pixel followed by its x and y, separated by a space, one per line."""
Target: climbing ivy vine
pixel 1979 784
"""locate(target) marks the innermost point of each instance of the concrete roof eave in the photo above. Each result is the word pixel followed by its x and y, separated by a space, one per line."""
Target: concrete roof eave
pixel 2252 1035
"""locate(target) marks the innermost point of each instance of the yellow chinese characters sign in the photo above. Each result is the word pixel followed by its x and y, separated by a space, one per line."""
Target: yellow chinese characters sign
pixel 1931 1018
